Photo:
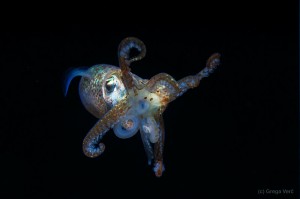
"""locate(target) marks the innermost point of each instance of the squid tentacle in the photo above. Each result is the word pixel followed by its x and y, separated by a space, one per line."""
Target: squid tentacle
pixel 139 83
pixel 127 44
pixel 212 63
pixel 124 61
pixel 168 82
pixel 95 135
pixel 193 81
pixel 159 147
pixel 147 145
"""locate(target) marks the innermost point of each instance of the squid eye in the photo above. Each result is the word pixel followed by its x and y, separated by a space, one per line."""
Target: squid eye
pixel 110 84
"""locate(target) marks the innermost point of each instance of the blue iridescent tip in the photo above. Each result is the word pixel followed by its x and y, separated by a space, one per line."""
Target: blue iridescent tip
pixel 70 74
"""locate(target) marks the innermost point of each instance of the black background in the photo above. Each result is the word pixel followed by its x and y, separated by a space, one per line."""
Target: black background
pixel 235 134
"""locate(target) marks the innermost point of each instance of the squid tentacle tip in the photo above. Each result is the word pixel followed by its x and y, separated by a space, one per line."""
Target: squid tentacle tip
pixel 158 168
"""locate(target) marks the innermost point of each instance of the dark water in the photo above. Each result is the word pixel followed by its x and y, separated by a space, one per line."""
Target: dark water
pixel 234 135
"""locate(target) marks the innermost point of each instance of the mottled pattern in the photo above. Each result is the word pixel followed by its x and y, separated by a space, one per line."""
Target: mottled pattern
pixel 127 103
pixel 91 88
pixel 94 136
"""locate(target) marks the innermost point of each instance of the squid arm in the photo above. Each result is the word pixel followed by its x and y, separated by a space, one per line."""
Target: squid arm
pixel 159 147
pixel 193 81
pixel 124 60
pixel 161 82
pixel 91 143
pixel 147 145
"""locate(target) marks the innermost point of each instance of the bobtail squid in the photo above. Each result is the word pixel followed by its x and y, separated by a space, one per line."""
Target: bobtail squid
pixel 127 103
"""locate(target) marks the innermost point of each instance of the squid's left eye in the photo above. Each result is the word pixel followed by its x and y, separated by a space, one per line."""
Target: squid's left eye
pixel 110 84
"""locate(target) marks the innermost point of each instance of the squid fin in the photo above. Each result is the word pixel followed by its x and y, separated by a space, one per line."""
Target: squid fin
pixel 71 74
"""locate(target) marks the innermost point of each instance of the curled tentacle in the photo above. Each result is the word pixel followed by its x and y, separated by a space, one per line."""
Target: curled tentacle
pixel 127 44
pixel 124 60
pixel 91 143
pixel 165 86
